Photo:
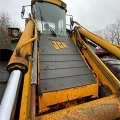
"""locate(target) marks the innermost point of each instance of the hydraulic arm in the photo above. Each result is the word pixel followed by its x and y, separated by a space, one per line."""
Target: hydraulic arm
pixel 54 72
pixel 17 66
pixel 100 41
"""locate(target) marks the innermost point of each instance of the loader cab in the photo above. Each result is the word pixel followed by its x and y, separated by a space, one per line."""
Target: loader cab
pixel 50 17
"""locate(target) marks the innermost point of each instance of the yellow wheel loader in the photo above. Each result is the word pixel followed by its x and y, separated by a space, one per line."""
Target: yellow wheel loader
pixel 53 74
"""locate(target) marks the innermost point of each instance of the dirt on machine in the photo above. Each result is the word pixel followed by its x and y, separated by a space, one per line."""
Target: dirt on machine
pixel 51 72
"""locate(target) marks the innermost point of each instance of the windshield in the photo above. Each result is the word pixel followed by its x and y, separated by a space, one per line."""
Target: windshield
pixel 50 19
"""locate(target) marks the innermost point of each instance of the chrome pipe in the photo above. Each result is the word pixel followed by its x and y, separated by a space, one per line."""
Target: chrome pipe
pixel 10 95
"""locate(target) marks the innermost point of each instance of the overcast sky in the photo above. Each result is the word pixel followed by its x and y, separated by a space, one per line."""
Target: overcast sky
pixel 92 14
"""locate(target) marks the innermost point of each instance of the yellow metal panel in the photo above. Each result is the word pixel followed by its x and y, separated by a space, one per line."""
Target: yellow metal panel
pixel 25 103
pixel 51 98
pixel 107 108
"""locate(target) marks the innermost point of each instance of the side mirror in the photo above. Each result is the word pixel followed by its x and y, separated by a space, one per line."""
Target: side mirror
pixel 71 21
pixel 23 12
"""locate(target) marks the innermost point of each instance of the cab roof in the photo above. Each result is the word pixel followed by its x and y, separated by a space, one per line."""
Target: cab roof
pixel 59 3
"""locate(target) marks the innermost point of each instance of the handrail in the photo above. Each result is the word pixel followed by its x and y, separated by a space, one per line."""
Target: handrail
pixel 28 41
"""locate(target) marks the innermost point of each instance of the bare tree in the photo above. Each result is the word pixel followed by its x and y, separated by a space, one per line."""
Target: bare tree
pixel 111 32
pixel 5 22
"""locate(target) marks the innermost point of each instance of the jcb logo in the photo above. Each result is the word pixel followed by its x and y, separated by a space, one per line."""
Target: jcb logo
pixel 57 45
